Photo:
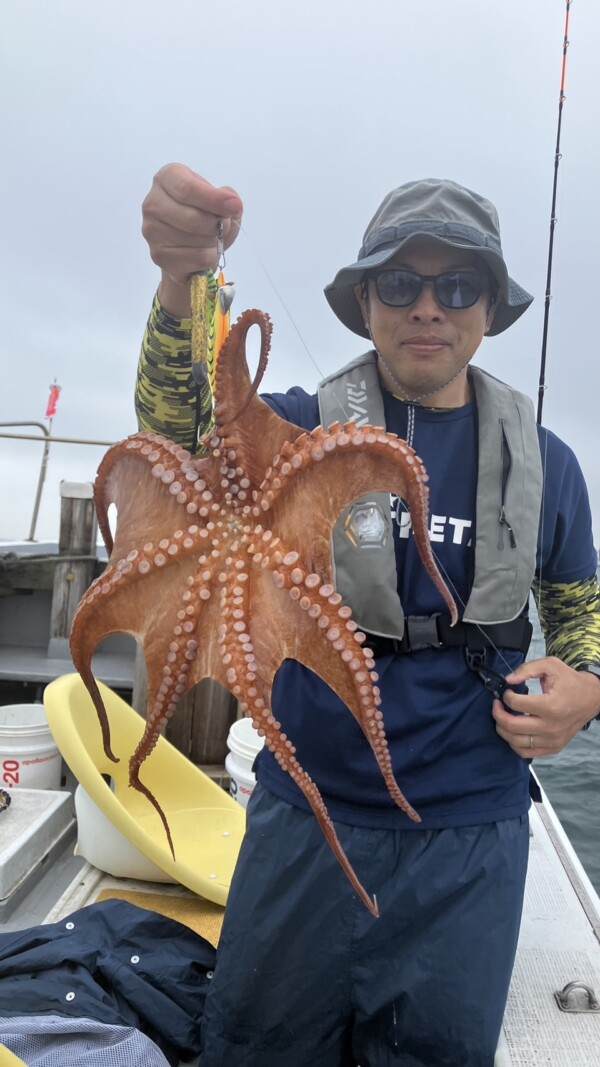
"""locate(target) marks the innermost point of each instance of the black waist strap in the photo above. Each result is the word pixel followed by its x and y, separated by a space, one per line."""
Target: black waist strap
pixel 435 631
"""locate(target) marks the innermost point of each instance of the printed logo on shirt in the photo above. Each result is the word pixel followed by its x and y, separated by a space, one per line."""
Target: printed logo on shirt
pixel 442 528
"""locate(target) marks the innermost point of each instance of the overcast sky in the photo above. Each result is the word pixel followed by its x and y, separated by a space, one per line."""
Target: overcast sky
pixel 313 111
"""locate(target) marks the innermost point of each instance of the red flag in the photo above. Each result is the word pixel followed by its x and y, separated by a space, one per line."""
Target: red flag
pixel 53 401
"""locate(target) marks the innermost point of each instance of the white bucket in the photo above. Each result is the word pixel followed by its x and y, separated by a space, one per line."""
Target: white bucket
pixel 29 757
pixel 244 744
pixel 103 845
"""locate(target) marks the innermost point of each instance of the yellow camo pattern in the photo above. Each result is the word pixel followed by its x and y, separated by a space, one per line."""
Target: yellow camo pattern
pixel 167 399
pixel 570 620
pixel 166 396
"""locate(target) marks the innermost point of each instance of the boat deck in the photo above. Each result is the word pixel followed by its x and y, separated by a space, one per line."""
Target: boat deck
pixel 559 943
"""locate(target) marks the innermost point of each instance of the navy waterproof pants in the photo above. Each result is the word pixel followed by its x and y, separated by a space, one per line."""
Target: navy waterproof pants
pixel 306 977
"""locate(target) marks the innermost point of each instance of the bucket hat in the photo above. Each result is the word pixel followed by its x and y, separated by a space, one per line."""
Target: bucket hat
pixel 436 208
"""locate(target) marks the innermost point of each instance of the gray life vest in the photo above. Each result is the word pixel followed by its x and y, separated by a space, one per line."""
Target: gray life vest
pixel 509 495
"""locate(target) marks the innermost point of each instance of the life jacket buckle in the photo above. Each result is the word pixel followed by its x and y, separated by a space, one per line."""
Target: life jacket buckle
pixel 421 631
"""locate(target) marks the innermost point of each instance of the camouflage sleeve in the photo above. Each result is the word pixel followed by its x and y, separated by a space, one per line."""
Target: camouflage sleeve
pixel 167 399
pixel 570 620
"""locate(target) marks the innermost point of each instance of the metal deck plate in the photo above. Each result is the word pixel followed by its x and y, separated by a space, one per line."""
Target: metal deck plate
pixel 36 825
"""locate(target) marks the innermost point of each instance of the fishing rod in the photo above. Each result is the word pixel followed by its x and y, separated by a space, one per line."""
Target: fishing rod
pixel 557 156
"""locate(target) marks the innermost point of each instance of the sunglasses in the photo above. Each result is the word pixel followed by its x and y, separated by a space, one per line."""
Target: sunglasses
pixel 454 289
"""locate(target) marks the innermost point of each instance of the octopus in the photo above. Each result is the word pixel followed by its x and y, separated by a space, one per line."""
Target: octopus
pixel 221 566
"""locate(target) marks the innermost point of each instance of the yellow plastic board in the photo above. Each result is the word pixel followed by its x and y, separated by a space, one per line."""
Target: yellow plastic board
pixel 8 1058
pixel 206 824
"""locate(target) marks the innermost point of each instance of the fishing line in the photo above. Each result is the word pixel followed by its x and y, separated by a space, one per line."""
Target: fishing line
pixel 345 413
pixel 269 278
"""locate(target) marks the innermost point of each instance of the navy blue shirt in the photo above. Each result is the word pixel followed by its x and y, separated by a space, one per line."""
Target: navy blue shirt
pixel 447 757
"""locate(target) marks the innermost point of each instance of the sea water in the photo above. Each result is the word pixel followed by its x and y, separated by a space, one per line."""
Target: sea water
pixel 572 782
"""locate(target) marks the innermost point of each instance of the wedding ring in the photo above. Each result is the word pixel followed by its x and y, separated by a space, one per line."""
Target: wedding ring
pixel 531 741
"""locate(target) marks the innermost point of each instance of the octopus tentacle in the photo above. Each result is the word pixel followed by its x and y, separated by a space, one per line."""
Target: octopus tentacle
pixel 232 376
pixel 235 644
pixel 138 785
pixel 85 670
pixel 285 753
pixel 162 703
pixel 335 625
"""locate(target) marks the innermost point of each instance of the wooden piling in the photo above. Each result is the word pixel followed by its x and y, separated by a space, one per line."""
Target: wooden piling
pixel 73 575
pixel 201 723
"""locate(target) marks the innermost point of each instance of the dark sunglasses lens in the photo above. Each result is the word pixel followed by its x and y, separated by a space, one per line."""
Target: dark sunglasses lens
pixel 398 288
pixel 454 289
pixel 459 289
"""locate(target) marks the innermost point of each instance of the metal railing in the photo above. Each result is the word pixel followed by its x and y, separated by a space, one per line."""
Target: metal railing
pixel 47 440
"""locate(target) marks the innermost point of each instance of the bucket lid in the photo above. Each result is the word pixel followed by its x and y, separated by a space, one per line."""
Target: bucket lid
pixel 243 738
pixel 23 719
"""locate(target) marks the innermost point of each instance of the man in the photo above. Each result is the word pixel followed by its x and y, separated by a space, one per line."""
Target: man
pixel 306 977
